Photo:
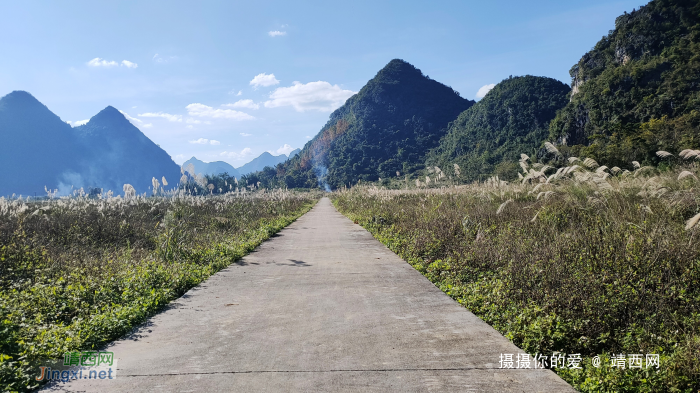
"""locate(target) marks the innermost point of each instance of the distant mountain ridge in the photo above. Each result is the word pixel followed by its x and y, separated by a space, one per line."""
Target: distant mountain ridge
pixel 264 160
pixel 210 168
pixel 257 164
pixel 40 150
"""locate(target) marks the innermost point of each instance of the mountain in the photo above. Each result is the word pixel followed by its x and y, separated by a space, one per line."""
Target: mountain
pixel 387 127
pixel 256 164
pixel 638 90
pixel 38 149
pixel 512 118
pixel 263 160
pixel 211 168
pixel 119 153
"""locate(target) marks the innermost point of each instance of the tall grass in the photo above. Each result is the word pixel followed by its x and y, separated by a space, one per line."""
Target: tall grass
pixel 78 272
pixel 576 259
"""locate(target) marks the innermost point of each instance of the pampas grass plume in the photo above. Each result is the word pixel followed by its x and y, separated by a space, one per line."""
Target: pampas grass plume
pixel 551 148
pixel 523 165
pixel 590 163
pixel 503 206
pixel 685 174
pixel 692 222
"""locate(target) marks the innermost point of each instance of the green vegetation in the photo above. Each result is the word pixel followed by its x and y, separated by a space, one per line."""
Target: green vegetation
pixel 488 138
pixel 596 262
pixel 636 91
pixel 385 128
pixel 77 273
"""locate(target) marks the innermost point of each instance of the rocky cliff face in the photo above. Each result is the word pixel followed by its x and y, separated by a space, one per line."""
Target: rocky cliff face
pixel 638 90
pixel 642 70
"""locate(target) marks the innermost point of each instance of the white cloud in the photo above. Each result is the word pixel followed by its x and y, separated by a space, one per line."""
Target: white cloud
pixel 484 90
pixel 214 142
pixel 132 119
pixel 286 149
pixel 245 134
pixel 276 33
pixel 167 116
pixel 240 92
pixel 192 121
pixel 264 80
pixel 190 127
pixel 201 110
pixel 200 141
pixel 99 62
pixel 149 125
pixel 237 155
pixel 243 104
pixel 160 59
pixel 320 96
pixel 308 137
pixel 77 123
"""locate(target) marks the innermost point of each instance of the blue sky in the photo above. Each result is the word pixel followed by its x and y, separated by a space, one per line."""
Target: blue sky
pixel 225 80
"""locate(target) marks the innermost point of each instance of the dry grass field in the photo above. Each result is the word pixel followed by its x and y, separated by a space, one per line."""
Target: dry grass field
pixel 581 259
pixel 78 272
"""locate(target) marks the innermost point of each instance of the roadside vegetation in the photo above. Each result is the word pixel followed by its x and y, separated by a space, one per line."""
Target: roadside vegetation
pixel 576 258
pixel 78 272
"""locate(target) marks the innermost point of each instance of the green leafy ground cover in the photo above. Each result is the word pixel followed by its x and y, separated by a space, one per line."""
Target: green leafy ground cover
pixel 597 265
pixel 78 273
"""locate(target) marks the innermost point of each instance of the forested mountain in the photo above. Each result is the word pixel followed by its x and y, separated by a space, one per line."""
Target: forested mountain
pixel 638 90
pixel 386 128
pixel 40 150
pixel 512 118
pixel 118 153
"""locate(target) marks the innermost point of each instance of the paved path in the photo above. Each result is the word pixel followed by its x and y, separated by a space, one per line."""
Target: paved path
pixel 325 307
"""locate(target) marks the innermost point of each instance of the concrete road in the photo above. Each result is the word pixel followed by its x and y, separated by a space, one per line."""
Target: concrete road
pixel 320 307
